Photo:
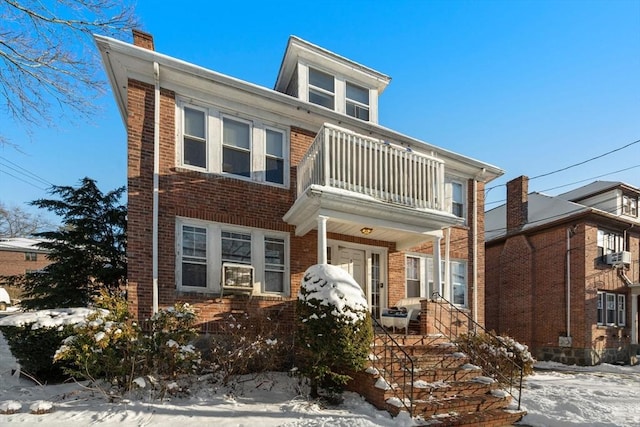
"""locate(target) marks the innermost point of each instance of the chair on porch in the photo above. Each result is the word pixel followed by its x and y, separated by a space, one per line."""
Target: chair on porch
pixel 402 314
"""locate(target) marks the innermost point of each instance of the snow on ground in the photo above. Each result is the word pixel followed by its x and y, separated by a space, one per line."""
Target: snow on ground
pixel 556 395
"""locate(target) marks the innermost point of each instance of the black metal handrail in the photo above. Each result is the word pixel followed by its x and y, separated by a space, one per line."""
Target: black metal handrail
pixel 392 354
pixel 513 381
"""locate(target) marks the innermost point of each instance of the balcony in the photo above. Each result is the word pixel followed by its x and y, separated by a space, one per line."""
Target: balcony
pixel 357 181
pixel 348 161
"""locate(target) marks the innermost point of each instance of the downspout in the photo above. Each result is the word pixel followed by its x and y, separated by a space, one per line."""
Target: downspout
pixel 474 208
pixel 156 182
pixel 570 232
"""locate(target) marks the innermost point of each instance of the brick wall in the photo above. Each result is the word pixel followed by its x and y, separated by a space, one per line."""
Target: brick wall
pixel 209 197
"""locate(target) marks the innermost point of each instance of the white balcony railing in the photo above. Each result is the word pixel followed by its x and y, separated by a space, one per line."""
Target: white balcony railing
pixel 349 161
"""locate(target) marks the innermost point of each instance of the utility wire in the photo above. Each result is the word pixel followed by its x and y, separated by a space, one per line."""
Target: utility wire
pixel 573 165
pixel 26 172
pixel 20 179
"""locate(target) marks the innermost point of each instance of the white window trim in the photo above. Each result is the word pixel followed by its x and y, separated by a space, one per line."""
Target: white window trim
pixel 619 314
pixel 180 145
pixel 214 255
pixel 340 89
pixel 449 181
pixel 357 103
pixel 446 283
pixel 214 132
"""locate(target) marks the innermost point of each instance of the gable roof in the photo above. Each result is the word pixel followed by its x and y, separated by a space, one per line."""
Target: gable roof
pixel 543 209
pixel 589 190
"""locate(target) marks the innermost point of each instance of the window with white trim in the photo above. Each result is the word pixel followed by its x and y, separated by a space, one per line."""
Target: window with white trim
pixel 274 156
pixel 194 152
pixel 321 88
pixel 243 147
pixel 457 199
pixel 274 264
pixel 630 206
pixel 413 276
pixel 202 247
pixel 609 242
pixel 611 309
pixel 236 147
pixel 194 256
pixel 357 101
pixel 419 276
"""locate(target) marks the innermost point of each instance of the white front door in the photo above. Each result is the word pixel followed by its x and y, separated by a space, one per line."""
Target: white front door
pixel 353 262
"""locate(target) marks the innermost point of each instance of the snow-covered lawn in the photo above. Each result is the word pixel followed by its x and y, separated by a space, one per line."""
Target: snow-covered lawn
pixel 555 396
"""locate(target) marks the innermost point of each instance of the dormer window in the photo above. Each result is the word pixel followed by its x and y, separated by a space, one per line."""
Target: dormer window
pixel 321 88
pixel 630 206
pixel 357 102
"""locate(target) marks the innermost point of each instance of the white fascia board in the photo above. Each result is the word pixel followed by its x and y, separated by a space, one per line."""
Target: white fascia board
pixel 298 48
pixel 123 60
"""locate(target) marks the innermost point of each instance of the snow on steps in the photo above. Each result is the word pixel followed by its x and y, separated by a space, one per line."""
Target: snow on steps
pixel 447 389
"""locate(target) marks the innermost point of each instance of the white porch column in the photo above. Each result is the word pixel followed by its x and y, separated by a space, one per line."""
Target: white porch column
pixel 437 266
pixel 322 239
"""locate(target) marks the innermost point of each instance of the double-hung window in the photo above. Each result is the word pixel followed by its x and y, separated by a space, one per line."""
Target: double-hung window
pixel 420 278
pixel 236 147
pixel 30 256
pixel 243 147
pixel 357 101
pixel 204 247
pixel 413 276
pixel 194 256
pixel 457 199
pixel 611 309
pixel 321 88
pixel 194 138
pixel 609 242
pixel 274 264
pixel 274 156
pixel 630 206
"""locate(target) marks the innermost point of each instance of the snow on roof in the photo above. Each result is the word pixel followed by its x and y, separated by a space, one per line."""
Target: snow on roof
pixel 542 209
pixel 21 244
pixel 333 286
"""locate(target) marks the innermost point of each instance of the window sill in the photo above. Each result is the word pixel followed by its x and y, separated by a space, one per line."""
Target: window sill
pixel 216 176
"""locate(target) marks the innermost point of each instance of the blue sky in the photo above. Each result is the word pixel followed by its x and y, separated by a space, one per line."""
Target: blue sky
pixel 528 86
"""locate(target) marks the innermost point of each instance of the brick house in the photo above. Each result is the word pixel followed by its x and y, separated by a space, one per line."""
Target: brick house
pixel 21 255
pixel 234 189
pixel 562 272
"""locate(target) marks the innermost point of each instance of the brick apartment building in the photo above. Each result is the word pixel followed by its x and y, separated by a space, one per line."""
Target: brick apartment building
pixel 562 273
pixel 236 189
pixel 20 255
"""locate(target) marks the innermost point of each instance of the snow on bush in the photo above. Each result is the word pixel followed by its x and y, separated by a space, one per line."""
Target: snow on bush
pixel 10 407
pixel 334 327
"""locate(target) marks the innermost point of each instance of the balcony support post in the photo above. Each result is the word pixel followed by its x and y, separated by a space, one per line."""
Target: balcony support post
pixel 322 239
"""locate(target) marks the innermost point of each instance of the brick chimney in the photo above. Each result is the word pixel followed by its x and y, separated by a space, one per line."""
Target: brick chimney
pixel 517 204
pixel 142 39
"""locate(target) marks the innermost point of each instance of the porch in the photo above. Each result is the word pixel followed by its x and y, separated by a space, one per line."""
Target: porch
pixel 357 185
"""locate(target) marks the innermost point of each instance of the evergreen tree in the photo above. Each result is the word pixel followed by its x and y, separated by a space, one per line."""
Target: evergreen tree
pixel 87 252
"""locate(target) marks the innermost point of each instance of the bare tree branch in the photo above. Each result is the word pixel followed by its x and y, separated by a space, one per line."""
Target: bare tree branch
pixel 49 66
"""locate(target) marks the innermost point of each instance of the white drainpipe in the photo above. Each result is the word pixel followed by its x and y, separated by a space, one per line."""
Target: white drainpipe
pixel 568 282
pixel 474 210
pixel 156 183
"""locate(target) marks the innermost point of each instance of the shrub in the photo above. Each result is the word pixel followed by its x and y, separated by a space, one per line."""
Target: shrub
pixel 250 342
pixel 110 347
pixel 334 331
pixel 500 356
pixel 34 350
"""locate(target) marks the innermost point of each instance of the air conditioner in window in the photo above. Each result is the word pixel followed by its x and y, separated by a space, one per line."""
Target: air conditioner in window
pixel 619 258
pixel 237 277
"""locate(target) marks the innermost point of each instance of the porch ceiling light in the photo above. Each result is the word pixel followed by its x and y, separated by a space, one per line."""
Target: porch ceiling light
pixel 366 230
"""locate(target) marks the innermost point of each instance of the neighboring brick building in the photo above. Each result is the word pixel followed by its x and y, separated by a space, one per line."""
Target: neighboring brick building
pixel 250 186
pixel 19 255
pixel 562 273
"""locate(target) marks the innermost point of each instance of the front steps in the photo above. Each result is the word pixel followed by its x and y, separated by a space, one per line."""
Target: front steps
pixel 447 390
